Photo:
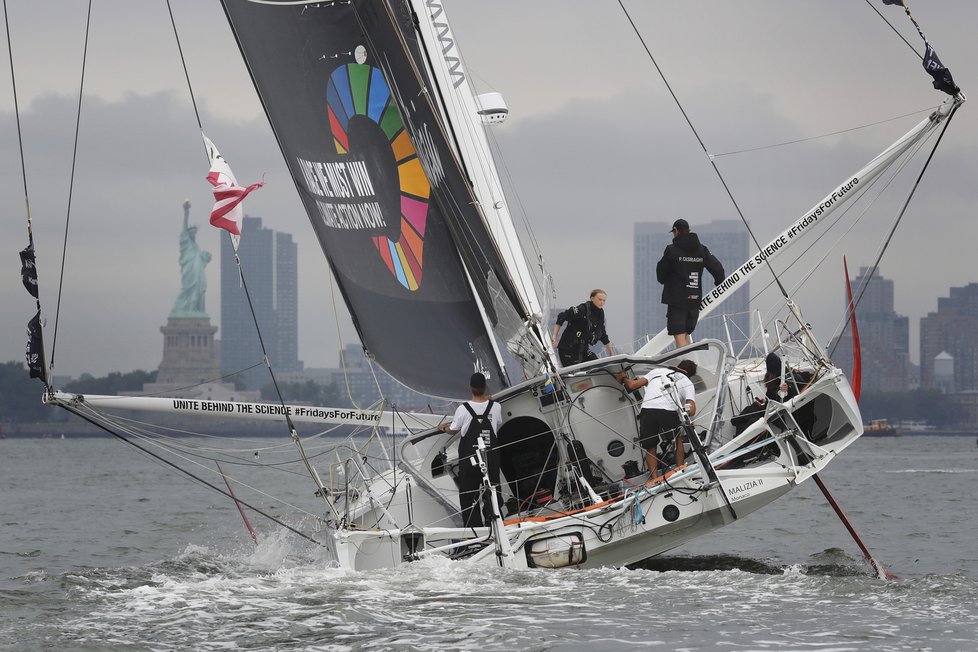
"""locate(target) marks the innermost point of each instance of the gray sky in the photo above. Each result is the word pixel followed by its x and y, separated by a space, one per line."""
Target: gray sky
pixel 593 144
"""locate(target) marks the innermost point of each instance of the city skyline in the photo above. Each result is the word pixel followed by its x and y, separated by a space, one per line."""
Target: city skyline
pixel 952 329
pixel 884 335
pixel 592 144
pixel 270 267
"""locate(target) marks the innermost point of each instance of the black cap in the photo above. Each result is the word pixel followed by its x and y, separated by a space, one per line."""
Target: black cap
pixel 477 381
pixel 680 224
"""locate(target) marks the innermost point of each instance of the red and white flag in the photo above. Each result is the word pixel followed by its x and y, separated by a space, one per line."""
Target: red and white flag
pixel 227 213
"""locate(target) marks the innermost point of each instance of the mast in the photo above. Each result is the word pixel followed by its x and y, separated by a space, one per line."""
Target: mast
pixel 454 153
pixel 464 114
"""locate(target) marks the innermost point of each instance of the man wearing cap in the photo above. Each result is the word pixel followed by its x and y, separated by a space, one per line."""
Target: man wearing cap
pixel 667 390
pixel 480 416
pixel 681 273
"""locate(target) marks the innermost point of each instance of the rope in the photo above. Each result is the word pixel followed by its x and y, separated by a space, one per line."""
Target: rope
pixel 183 61
pixel 895 30
pixel 71 186
pixel 339 338
pixel 832 133
pixel 889 237
pixel 193 476
pixel 713 164
pixel 23 168
pixel 20 137
pixel 244 285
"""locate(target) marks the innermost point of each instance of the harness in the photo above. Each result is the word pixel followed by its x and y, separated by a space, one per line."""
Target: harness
pixel 481 425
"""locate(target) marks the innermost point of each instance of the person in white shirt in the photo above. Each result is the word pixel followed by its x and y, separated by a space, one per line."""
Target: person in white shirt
pixel 478 417
pixel 659 419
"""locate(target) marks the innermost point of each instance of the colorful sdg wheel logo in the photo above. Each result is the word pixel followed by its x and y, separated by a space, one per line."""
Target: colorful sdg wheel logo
pixel 360 90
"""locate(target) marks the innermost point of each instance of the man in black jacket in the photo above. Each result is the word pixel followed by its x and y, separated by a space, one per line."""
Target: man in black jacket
pixel 681 273
pixel 585 328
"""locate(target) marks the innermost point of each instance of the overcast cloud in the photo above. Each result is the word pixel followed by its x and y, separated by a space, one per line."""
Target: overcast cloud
pixel 593 144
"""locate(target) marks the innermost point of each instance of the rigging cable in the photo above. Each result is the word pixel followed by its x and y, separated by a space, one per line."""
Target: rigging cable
pixel 889 236
pixel 831 133
pixel 194 477
pixel 27 201
pixel 20 137
pixel 689 122
pixel 186 73
pixel 288 419
pixel 872 270
pixel 896 31
pixel 837 221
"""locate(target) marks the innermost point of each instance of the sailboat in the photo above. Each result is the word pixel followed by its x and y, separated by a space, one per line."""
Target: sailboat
pixel 386 142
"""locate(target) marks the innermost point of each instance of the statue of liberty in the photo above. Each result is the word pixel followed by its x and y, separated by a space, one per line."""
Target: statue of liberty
pixel 193 281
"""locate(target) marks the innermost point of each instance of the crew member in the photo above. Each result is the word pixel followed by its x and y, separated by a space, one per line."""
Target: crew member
pixel 478 417
pixel 680 270
pixel 659 418
pixel 585 328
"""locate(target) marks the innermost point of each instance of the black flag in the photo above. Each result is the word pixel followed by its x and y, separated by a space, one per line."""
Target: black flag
pixel 941 75
pixel 35 348
pixel 28 271
pixel 933 65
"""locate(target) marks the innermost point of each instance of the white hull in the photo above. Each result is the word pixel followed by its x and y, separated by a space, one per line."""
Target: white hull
pixel 412 512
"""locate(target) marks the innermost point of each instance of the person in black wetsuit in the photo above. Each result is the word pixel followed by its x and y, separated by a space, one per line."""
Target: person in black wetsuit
pixel 680 270
pixel 585 328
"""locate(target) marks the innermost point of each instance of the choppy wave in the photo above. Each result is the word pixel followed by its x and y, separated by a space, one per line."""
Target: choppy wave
pixel 951 471
pixel 284 595
pixel 110 567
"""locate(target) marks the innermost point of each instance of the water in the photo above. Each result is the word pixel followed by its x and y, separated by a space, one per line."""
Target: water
pixel 102 549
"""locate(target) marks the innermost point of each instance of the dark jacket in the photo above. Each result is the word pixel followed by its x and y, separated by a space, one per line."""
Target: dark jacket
pixel 585 327
pixel 681 270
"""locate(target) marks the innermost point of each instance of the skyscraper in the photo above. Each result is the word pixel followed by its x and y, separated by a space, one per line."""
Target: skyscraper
pixel 884 337
pixel 952 330
pixel 269 262
pixel 728 241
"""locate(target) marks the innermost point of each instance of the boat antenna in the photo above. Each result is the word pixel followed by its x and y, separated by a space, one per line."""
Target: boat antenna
pixel 689 122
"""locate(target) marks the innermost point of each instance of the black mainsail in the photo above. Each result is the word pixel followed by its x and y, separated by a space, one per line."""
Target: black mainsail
pixel 389 201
